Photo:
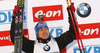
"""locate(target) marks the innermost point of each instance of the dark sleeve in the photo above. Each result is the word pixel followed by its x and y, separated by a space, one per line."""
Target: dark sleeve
pixel 28 45
pixel 64 39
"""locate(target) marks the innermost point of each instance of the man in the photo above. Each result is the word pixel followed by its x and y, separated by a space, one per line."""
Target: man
pixel 44 43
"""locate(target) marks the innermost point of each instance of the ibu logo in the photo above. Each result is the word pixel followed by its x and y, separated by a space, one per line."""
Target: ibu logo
pixel 6 16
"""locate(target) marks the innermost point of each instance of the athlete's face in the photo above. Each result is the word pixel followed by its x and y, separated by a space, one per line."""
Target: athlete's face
pixel 43 33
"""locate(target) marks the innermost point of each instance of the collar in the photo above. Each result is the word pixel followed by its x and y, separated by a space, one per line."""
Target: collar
pixel 43 40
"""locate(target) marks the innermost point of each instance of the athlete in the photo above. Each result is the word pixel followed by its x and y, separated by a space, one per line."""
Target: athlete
pixel 44 43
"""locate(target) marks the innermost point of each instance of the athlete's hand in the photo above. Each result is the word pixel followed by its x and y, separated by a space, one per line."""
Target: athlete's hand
pixel 72 7
pixel 16 9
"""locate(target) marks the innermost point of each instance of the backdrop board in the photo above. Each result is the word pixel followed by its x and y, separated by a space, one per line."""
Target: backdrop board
pixel 56 16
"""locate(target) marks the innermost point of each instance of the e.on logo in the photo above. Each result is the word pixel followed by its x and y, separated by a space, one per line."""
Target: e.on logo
pixel 49 13
pixel 89 30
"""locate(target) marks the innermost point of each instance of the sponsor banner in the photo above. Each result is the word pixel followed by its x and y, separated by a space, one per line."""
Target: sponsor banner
pixel 6 13
pixel 55 13
pixel 88 49
pixel 90 35
pixel 5 37
pixel 49 13
pixel 87 11
pixel 90 46
pixel 6 19
pixel 55 31
pixel 89 31
pixel 5 16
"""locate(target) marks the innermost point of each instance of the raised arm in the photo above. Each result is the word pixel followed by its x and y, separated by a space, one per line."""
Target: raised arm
pixel 27 44
pixel 64 39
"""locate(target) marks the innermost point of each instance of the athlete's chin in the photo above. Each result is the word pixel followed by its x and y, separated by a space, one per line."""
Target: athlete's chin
pixel 45 37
